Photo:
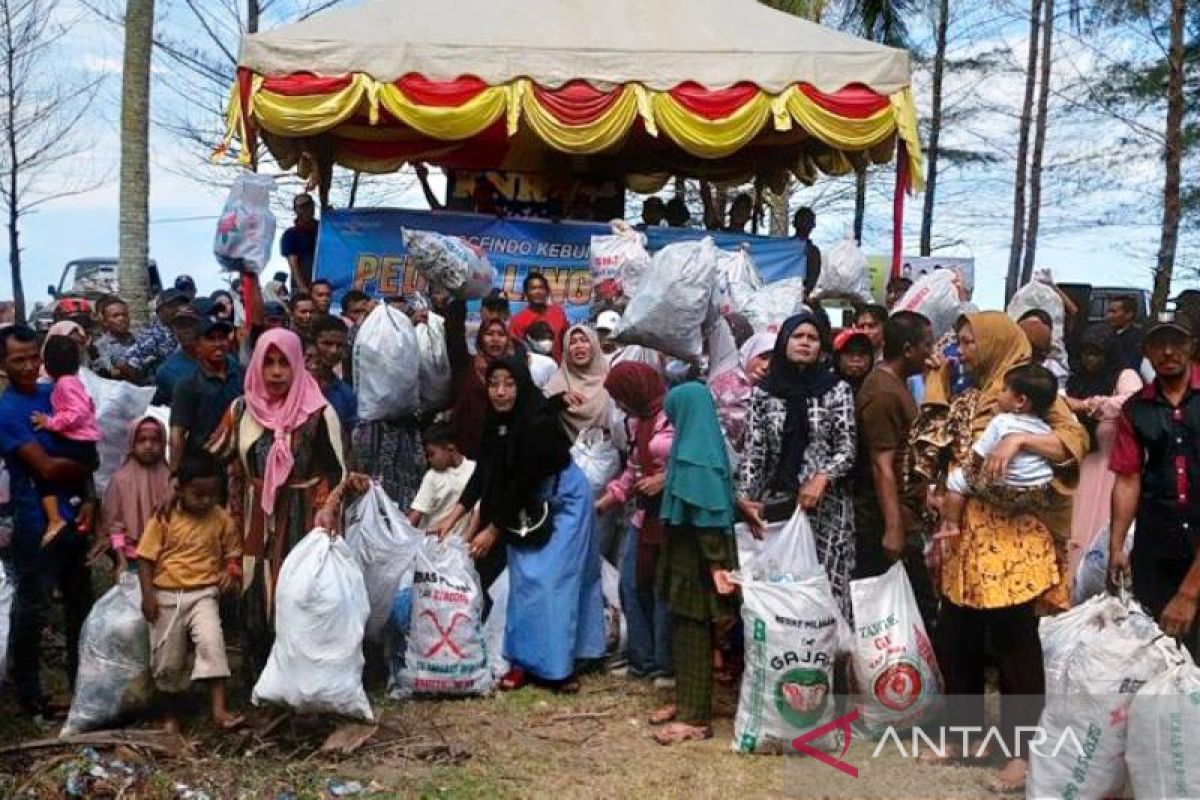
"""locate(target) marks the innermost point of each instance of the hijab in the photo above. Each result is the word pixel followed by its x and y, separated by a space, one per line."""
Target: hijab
pixel 699 489
pixel 640 389
pixel 796 385
pixel 1082 385
pixel 588 380
pixel 135 490
pixel 284 415
pixel 754 347
pixel 520 448
pixel 471 405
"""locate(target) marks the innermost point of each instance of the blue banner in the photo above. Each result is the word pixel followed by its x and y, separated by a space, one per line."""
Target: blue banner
pixel 362 249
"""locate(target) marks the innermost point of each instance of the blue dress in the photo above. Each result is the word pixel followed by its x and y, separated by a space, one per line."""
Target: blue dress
pixel 555 604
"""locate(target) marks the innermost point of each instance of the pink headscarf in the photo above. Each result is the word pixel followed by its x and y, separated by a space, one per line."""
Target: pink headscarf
pixel 284 416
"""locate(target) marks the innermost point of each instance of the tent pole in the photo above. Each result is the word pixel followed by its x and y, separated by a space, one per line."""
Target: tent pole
pixel 898 206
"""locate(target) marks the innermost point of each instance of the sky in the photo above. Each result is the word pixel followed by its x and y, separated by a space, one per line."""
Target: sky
pixel 183 210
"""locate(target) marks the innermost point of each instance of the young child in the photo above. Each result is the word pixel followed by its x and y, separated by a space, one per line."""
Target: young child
pixel 1028 394
pixel 74 420
pixel 140 487
pixel 187 555
pixel 449 471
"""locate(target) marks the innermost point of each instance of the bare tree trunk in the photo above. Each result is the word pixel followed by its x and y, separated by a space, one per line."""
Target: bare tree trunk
pixel 1018 225
pixel 860 201
pixel 1039 145
pixel 935 126
pixel 14 170
pixel 1173 157
pixel 135 156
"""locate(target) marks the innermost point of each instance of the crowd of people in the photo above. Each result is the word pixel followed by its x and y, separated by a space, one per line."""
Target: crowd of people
pixel 966 458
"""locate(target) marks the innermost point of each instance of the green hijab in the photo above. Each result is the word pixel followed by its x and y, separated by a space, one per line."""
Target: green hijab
pixel 699 489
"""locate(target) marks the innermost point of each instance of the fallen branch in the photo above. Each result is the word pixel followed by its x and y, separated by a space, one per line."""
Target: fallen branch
pixel 575 717
pixel 147 740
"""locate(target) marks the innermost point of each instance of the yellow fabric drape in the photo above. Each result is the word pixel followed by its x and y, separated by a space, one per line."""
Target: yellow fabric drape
pixel 594 137
pixel 449 123
pixel 311 114
pixel 905 112
pixel 705 138
pixel 299 116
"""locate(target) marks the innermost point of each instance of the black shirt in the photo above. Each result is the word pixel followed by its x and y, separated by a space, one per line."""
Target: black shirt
pixel 1129 346
pixel 200 401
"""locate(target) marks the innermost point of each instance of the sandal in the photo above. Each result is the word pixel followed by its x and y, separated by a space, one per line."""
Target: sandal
pixel 678 732
pixel 1006 781
pixel 566 686
pixel 663 715
pixel 514 679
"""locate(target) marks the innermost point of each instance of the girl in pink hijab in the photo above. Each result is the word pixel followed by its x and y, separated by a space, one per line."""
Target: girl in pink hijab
pixel 136 491
pixel 286 449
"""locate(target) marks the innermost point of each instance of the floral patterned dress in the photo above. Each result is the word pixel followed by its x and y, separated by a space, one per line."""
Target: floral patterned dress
pixel 267 538
pixel 831 450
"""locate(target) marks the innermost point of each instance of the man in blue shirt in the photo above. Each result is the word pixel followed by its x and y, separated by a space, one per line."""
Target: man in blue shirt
pixel 299 242
pixel 33 455
pixel 323 356
pixel 200 399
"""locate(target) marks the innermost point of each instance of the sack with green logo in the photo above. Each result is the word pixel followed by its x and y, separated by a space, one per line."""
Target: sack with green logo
pixel 896 672
pixel 793 634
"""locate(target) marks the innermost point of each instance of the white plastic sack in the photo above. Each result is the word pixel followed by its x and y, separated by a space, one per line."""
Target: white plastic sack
pixel 935 296
pixel 596 455
pixel 321 610
pixel 844 273
pixel 793 634
pixel 7 589
pixel 387 366
pixel 615 632
pixel 1041 295
pixel 770 306
pixel 1164 718
pixel 1087 710
pixel 451 263
pixel 738 279
pixel 673 303
pixel 446 653
pixel 437 381
pixel 118 404
pixel 385 545
pixel 895 669
pixel 619 261
pixel 1091 572
pixel 493 627
pixel 114 677
pixel 246 227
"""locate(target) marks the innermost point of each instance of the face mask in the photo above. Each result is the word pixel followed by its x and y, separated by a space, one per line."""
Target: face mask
pixel 542 346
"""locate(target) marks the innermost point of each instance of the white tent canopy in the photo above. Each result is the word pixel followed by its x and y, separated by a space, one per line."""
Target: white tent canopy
pixel 658 43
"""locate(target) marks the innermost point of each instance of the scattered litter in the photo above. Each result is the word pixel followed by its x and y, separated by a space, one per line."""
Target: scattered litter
pixel 339 788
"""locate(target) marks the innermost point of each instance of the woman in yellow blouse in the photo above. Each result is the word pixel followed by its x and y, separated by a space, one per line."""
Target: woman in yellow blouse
pixel 1005 567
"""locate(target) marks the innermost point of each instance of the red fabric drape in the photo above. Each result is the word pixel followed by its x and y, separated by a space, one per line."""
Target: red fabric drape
pixel 713 103
pixel 855 102
pixel 425 92
pixel 302 83
pixel 576 103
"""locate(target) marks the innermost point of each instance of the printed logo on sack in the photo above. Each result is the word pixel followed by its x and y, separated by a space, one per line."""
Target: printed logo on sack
pixel 801 696
pixel 898 686
pixel 801 743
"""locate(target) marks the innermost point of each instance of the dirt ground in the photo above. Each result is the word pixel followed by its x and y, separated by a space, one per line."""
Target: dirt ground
pixel 527 744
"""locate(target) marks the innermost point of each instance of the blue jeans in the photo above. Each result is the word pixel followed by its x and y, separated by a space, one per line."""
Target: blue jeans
pixel 647 619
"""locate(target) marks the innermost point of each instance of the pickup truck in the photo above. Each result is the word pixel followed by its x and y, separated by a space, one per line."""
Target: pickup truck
pixel 91 279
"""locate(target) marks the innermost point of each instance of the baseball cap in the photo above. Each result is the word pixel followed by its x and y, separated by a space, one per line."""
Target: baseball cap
pixel 271 310
pixel 1167 321
pixel 843 340
pixel 205 310
pixel 185 283
pixel 170 297
pixel 607 321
